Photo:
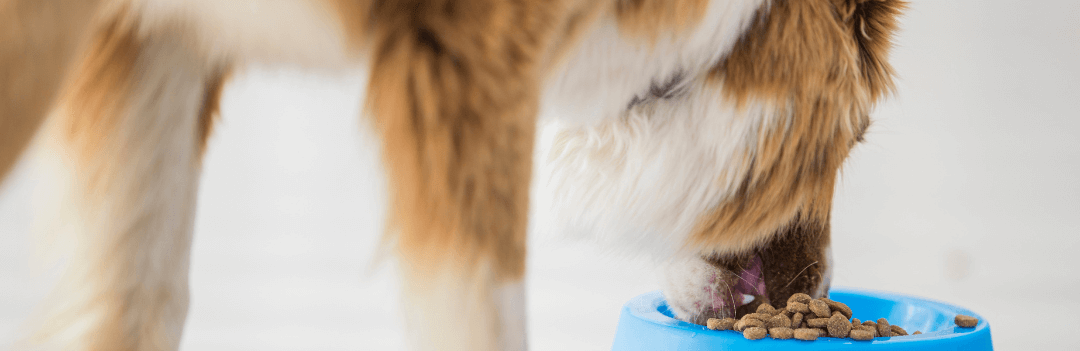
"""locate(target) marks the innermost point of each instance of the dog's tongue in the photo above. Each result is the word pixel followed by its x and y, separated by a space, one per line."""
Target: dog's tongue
pixel 749 285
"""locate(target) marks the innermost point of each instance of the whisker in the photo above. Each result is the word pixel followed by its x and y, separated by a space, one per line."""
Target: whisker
pixel 800 273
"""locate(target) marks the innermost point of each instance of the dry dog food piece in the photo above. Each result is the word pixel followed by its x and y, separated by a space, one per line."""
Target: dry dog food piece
pixel 818 322
pixel 800 298
pixel 721 324
pixel 759 316
pixel 748 323
pixel 871 329
pixel 820 308
pixel 916 332
pixel 838 306
pixel 862 335
pixel 966 321
pixel 778 321
pixel 798 307
pixel 766 309
pixel 781 333
pixel 796 320
pixel 806 334
pixel 839 327
pixel 755 333
pixel 807 319
pixel 883 327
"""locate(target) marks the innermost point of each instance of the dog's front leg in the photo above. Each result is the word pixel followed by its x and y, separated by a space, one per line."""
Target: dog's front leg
pixel 131 128
pixel 454 89
pixel 38 39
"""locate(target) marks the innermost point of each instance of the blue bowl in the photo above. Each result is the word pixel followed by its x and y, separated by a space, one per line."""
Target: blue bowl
pixel 647 324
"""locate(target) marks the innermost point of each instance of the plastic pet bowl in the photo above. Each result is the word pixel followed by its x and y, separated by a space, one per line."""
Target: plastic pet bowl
pixel 647 324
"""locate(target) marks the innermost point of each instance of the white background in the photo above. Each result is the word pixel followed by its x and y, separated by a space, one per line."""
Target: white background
pixel 965 192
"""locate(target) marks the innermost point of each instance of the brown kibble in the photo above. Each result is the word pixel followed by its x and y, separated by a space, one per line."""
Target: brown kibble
pixel 868 328
pixel 839 327
pixel 778 321
pixel 818 322
pixel 755 333
pixel 883 327
pixel 870 323
pixel 796 320
pixel 781 333
pixel 800 298
pixel 759 316
pixel 798 307
pixel 806 334
pixel 721 324
pixel 748 323
pixel 838 306
pixel 766 309
pixel 897 330
pixel 966 321
pixel 855 321
pixel 916 332
pixel 861 335
pixel 820 308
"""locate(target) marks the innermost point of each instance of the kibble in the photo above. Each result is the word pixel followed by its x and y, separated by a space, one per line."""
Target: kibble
pixel 806 334
pixel 781 333
pixel 861 334
pixel 817 322
pixel 839 327
pixel 838 306
pixel 820 308
pixel 766 309
pixel 871 329
pixel 721 324
pixel 755 333
pixel 798 307
pixel 807 319
pixel 748 323
pixel 778 321
pixel 759 316
pixel 883 327
pixel 799 297
pixel 966 321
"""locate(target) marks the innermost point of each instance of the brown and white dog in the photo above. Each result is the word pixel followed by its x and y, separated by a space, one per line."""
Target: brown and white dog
pixel 706 133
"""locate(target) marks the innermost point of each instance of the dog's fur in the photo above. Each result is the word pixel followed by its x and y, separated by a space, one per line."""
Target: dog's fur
pixel 706 133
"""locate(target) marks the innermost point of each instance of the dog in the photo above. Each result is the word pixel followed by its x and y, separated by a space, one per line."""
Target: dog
pixel 705 133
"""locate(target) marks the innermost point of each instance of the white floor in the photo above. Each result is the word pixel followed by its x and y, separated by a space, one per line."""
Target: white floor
pixel 965 192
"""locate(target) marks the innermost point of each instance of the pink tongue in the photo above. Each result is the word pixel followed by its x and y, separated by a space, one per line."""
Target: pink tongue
pixel 750 282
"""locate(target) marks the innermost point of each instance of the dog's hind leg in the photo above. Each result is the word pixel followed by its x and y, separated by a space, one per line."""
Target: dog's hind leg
pixel 37 40
pixel 131 124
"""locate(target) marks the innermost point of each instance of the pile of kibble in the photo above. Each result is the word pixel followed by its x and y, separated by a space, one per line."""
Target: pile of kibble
pixel 808 319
